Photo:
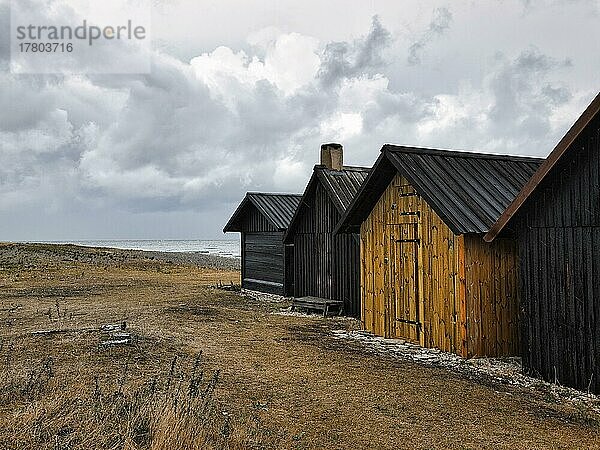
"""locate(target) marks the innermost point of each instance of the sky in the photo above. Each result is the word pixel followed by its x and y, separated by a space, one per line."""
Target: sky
pixel 240 96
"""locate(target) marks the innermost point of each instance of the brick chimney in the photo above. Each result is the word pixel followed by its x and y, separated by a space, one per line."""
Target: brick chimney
pixel 332 156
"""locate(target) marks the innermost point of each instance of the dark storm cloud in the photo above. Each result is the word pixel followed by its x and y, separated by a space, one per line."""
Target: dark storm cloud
pixel 440 22
pixel 181 141
pixel 524 100
pixel 349 59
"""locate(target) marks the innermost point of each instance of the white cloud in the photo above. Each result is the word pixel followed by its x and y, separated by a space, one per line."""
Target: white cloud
pixel 342 126
pixel 290 62
pixel 289 174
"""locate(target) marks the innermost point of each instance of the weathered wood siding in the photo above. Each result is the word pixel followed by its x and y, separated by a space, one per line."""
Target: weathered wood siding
pixel 262 255
pixel 326 265
pixel 492 296
pixel 558 230
pixel 255 222
pixel 421 282
pixel 264 262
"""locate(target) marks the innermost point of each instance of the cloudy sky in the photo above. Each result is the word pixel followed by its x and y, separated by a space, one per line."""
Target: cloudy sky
pixel 242 93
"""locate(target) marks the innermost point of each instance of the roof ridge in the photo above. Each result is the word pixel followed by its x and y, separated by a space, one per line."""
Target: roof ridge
pixel 344 168
pixel 458 153
pixel 272 194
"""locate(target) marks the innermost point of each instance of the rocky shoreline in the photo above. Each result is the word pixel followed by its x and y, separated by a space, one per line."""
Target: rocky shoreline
pixel 27 255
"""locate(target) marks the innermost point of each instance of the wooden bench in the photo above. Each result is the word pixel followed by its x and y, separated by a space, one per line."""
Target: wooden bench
pixel 318 304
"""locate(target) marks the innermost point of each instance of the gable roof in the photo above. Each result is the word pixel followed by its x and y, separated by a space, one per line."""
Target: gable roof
pixel 469 191
pixel 278 209
pixel 340 185
pixel 559 151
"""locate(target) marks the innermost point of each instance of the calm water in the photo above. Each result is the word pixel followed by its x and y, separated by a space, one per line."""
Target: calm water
pixel 229 248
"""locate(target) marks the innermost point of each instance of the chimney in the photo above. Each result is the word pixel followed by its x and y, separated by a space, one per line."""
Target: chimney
pixel 332 156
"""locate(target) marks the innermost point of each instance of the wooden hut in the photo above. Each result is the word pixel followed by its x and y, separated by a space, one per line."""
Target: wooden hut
pixel 427 276
pixel 262 220
pixel 326 266
pixel 556 221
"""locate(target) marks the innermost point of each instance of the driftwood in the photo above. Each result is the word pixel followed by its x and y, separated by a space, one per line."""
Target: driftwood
pixel 110 327
pixel 115 332
pixel 117 339
pixel 62 331
pixel 49 332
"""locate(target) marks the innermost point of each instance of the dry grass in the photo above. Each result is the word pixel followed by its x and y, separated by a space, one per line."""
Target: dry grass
pixel 283 382
pixel 64 412
pixel 60 388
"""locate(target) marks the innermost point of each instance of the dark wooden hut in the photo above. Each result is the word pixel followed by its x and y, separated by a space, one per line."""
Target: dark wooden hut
pixel 427 275
pixel 262 220
pixel 556 221
pixel 326 266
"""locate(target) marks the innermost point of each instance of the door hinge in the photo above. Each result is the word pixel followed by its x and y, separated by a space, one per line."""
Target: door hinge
pixel 418 241
pixel 411 322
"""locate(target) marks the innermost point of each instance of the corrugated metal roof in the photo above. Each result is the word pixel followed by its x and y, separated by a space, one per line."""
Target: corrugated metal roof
pixel 469 191
pixel 278 209
pixel 340 185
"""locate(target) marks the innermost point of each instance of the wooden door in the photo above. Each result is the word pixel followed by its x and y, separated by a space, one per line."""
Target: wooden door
pixel 403 290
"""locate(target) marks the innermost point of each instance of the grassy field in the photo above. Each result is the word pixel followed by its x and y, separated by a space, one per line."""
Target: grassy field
pixel 205 368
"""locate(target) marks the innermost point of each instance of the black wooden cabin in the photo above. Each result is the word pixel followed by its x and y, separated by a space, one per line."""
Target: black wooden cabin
pixel 556 219
pixel 326 266
pixel 262 219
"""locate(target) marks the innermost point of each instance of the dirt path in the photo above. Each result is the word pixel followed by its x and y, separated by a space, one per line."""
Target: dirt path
pixel 289 376
pixel 322 394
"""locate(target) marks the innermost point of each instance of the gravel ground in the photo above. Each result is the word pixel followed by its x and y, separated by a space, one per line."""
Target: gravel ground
pixel 501 371
pixel 507 371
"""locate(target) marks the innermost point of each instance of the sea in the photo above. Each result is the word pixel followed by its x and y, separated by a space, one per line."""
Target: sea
pixel 226 248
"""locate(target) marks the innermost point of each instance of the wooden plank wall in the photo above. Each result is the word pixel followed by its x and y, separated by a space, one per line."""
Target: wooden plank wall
pixel 262 254
pixel 492 297
pixel 264 262
pixel 254 221
pixel 558 229
pixel 325 265
pixel 465 290
pixel 561 313
pixel 313 244
pixel 346 272
pixel 440 269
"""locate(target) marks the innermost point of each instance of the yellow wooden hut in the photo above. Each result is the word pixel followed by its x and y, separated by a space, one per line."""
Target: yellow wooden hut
pixel 427 275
